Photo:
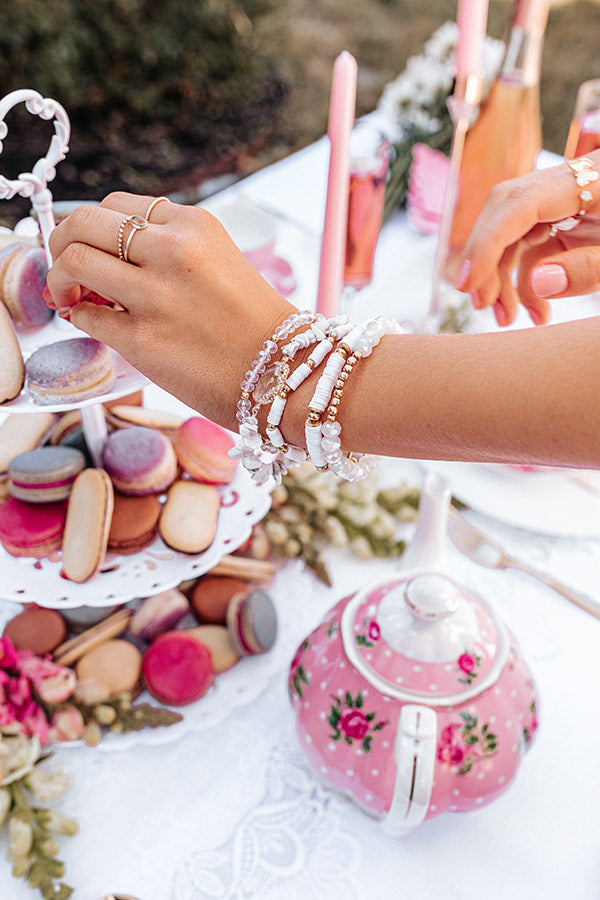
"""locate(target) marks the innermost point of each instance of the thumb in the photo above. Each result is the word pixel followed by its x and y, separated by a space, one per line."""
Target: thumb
pixel 108 325
pixel 567 274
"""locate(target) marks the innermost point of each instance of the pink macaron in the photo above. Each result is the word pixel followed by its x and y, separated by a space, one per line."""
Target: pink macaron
pixel 139 460
pixel 177 668
pixel 70 371
pixel 202 450
pixel 28 529
pixel 21 287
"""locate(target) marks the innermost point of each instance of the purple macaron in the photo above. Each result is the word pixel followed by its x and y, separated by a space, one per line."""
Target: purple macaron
pixel 139 460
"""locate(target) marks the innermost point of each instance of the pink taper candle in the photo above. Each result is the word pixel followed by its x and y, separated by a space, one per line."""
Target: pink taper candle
pixel 333 243
pixel 471 19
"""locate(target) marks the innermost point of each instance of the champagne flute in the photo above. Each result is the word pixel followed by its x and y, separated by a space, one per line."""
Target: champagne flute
pixel 370 152
pixel 584 133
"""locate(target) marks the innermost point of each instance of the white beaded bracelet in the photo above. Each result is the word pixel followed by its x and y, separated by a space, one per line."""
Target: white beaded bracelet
pixel 351 468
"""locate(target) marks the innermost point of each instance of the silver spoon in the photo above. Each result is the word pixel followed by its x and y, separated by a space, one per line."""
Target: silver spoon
pixel 487 552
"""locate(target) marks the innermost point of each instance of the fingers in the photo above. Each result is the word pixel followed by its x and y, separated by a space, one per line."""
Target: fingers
pixel 99 226
pixel 568 274
pixel 81 269
pixel 110 326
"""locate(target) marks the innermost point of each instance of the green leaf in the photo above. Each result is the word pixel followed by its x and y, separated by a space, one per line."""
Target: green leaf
pixel 466 767
pixel 333 718
pixel 302 674
pixel 366 746
pixel 348 739
pixel 348 699
pixel 359 700
pixel 379 726
pixel 471 739
pixel 370 716
pixel 336 737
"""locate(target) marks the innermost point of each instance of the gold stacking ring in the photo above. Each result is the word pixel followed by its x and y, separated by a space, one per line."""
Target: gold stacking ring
pixel 585 174
pixel 137 224
pixel 153 204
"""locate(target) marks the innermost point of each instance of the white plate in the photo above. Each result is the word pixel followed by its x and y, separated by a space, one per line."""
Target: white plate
pixel 564 503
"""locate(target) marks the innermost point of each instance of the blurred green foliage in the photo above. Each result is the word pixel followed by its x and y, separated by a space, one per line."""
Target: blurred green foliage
pixel 153 59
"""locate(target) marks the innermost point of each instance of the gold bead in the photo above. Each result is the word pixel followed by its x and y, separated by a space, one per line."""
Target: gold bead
pixel 271 427
pixel 322 468
pixel 332 336
pixel 283 448
pixel 245 395
pixel 313 424
pixel 358 354
pixel 352 360
pixel 339 384
pixel 343 376
pixel 343 353
pixel 345 348
pixel 310 363
pixel 347 369
pixel 337 394
pixel 331 413
pixel 335 401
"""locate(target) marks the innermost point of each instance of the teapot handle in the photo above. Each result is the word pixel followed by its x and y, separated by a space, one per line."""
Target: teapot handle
pixel 414 751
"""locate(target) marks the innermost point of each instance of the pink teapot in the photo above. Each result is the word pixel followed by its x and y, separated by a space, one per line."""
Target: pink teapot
pixel 412 696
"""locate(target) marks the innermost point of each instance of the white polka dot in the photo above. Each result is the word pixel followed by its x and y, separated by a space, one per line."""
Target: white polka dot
pixel 502 779
pixel 340 691
pixel 368 796
pixel 497 691
pixel 374 772
pixel 386 743
pixel 365 693
pixel 324 660
pixel 372 609
pixel 479 800
pixel 369 657
pixel 306 704
pixel 513 693
pixel 388 653
pixel 308 738
pixel 323 770
pixel 433 687
pixel 358 752
pixel 349 772
pixel 322 715
pixel 454 808
pixel 417 668
pixel 342 664
pixel 399 679
pixel 323 685
pixel 456 792
pixel 492 719
pixel 447 668
pixel 481 775
pixel 331 747
pixel 521 716
pixel 433 807
pixel 508 723
pixel 484 633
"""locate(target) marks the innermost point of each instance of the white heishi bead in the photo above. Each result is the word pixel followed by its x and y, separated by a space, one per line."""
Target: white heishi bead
pixel 313 445
pixel 321 351
pixel 276 437
pixel 295 454
pixel 331 429
pixel 353 336
pixel 298 376
pixel 276 411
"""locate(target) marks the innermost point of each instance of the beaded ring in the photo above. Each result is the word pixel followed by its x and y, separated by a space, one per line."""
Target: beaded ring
pixel 585 173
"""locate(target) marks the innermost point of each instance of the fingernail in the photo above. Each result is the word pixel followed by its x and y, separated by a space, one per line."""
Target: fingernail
pixel 463 274
pixel 47 297
pixel 500 313
pixel 548 280
pixel 65 313
pixel 534 315
pixel 477 300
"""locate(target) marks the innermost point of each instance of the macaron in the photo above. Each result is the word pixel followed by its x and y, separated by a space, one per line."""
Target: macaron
pixel 44 475
pixel 88 522
pixel 28 529
pixel 211 595
pixel 116 664
pixel 21 432
pixel 12 367
pixel 70 371
pixel 21 287
pixel 202 450
pixel 177 668
pixel 252 623
pixel 216 639
pixel 66 425
pixel 37 629
pixel 189 518
pixel 134 523
pixel 110 627
pixel 139 460
pixel 124 416
pixel 158 614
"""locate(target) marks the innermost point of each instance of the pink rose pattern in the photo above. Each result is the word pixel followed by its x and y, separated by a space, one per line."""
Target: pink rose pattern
pixel 350 723
pixel 27 682
pixel 298 677
pixel 466 744
pixel 466 664
pixel 371 633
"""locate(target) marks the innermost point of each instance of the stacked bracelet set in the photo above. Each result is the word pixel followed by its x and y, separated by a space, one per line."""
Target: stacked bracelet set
pixel 268 382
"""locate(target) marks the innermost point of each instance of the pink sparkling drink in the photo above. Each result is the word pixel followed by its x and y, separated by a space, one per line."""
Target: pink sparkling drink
pixel 369 162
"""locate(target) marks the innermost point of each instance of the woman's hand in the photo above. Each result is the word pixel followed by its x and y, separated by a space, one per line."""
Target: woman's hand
pixel 513 232
pixel 188 310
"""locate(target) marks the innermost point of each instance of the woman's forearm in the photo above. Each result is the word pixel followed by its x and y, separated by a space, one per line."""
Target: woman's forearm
pixel 522 396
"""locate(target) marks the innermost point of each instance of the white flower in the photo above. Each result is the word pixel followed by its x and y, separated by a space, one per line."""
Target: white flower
pixel 57 823
pixel 47 785
pixel 22 756
pixel 335 532
pixel 361 548
pixel 5 802
pixel 20 837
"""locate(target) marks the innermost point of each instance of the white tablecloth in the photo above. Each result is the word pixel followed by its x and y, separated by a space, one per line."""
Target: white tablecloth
pixel 233 810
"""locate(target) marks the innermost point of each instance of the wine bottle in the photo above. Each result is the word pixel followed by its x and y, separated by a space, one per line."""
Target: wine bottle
pixel 506 137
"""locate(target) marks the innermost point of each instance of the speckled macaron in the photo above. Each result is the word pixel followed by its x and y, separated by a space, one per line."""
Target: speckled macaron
pixel 252 623
pixel 44 475
pixel 70 371
pixel 139 460
pixel 28 529
pixel 21 287
pixel 202 450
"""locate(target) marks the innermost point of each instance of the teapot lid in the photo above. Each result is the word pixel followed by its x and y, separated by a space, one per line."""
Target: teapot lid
pixel 424 638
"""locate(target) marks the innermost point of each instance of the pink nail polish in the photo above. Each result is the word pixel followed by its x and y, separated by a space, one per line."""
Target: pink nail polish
pixel 65 313
pixel 549 280
pixel 463 274
pixel 47 297
pixel 534 315
pixel 477 300
pixel 500 313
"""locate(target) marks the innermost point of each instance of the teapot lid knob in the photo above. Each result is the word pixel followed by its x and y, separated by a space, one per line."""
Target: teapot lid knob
pixel 431 596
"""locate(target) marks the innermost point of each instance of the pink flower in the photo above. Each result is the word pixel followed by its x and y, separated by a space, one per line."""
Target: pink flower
pixel 18 691
pixel 33 721
pixel 354 724
pixel 451 755
pixel 467 663
pixel 53 683
pixel 8 714
pixel 448 734
pixel 8 654
pixel 374 631
pixel 67 724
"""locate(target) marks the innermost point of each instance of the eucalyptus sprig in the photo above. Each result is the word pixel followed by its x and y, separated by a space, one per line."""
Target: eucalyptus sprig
pixel 32 848
pixel 312 510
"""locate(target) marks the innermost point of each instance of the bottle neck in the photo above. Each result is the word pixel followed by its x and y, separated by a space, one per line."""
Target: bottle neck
pixel 523 57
